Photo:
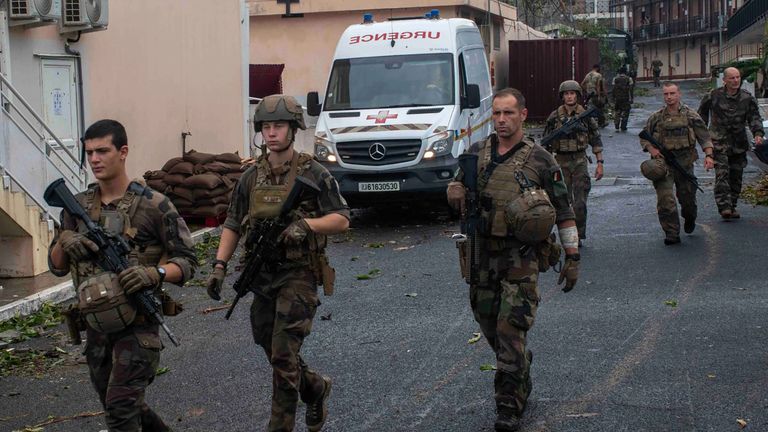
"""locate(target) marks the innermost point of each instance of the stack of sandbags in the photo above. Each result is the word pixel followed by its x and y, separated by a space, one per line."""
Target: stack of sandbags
pixel 199 184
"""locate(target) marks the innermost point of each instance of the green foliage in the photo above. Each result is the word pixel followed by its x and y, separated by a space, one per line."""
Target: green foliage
pixel 748 68
pixel 642 91
pixel 757 193
pixel 30 326
pixel 609 58
pixel 206 248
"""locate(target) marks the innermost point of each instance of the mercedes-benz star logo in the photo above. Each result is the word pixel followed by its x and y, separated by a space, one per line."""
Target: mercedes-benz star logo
pixel 377 151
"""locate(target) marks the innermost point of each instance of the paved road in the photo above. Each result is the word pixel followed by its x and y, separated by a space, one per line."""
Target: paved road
pixel 608 356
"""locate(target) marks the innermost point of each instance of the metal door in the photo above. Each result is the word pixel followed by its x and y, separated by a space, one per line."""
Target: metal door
pixel 59 77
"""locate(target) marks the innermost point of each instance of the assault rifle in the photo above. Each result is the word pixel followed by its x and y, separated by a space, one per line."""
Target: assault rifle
pixel 263 240
pixel 572 125
pixel 468 165
pixel 670 158
pixel 113 249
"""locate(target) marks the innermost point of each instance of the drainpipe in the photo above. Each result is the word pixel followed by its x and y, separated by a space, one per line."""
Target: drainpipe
pixel 81 104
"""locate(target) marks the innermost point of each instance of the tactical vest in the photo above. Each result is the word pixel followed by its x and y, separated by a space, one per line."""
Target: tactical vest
pixel 673 131
pixel 266 199
pixel 575 142
pixel 593 78
pixel 500 188
pixel 621 88
pixel 101 299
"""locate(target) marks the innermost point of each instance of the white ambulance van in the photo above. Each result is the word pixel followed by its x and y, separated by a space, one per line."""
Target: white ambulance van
pixel 404 99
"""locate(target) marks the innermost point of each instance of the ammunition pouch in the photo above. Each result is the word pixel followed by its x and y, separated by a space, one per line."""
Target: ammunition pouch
pixel 170 306
pixel 462 246
pixel 104 304
pixel 548 253
pixel 75 324
pixel 325 275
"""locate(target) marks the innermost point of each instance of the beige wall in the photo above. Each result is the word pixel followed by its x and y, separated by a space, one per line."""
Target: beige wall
pixel 166 67
pixel 668 52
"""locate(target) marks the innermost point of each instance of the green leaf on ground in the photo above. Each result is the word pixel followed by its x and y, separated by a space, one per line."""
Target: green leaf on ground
pixel 487 367
pixel 375 245
pixel 672 303
pixel 162 370
pixel 373 274
pixel 475 338
pixel 411 294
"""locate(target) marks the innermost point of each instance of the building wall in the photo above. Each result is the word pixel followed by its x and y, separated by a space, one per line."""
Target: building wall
pixel 163 68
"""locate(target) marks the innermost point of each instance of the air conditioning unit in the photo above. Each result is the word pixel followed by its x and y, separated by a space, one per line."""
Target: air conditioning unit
pixel 33 13
pixel 83 15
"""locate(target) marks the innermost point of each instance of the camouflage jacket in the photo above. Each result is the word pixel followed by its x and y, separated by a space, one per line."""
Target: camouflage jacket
pixel 157 224
pixel 656 65
pixel 590 132
pixel 543 164
pixel 728 116
pixel 695 124
pixel 622 86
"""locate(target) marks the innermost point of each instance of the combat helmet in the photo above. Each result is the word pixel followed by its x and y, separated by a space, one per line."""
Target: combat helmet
pixel 531 216
pixel 654 169
pixel 569 85
pixel 276 108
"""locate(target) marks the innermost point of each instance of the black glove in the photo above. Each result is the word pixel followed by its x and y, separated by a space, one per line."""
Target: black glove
pixel 215 282
pixel 570 272
pixel 77 246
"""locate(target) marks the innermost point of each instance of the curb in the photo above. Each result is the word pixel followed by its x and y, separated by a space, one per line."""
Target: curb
pixel 59 293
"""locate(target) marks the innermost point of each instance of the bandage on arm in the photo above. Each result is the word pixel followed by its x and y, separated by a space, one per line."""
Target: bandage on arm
pixel 569 237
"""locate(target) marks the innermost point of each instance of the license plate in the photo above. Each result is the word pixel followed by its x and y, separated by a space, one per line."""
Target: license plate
pixel 378 186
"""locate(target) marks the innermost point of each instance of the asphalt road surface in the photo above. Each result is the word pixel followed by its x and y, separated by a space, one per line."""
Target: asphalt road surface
pixel 653 337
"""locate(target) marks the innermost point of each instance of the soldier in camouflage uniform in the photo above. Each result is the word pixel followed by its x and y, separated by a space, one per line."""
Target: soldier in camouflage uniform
pixel 729 109
pixel 656 65
pixel 122 350
pixel 505 296
pixel 622 98
pixel 593 85
pixel 285 297
pixel 677 128
pixel 570 151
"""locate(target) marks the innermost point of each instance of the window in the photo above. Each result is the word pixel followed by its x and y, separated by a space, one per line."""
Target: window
pixel 496 36
pixel 677 59
pixel 476 69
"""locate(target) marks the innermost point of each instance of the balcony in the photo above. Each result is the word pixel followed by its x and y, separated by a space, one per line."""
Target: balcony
pixel 693 25
pixel 745 22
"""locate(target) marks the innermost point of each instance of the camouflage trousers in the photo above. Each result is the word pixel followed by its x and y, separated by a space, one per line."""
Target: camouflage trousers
pixel 281 317
pixel 576 176
pixel 599 103
pixel 121 366
pixel 621 114
pixel 505 308
pixel 729 170
pixel 674 184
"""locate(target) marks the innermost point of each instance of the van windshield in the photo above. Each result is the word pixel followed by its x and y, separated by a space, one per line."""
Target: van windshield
pixel 390 82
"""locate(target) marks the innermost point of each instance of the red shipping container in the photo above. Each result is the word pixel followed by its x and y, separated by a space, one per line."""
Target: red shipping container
pixel 537 67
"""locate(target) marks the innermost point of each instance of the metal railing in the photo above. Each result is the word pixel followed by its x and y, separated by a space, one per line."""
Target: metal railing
pixel 748 15
pixel 687 26
pixel 735 52
pixel 44 215
pixel 32 126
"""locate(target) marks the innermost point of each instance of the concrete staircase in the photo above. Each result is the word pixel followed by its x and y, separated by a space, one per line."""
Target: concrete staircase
pixel 26 231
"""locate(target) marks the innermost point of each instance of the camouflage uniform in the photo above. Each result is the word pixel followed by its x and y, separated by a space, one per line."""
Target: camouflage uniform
pixel 677 132
pixel 729 115
pixel 656 67
pixel 593 86
pixel 622 99
pixel 571 156
pixel 286 297
pixel 505 300
pixel 123 364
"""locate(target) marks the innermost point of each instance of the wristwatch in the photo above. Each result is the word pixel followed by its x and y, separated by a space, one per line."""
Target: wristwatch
pixel 161 272
pixel 600 161
pixel 222 262
pixel 573 257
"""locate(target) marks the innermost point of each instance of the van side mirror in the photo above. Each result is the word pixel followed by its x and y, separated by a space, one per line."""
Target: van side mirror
pixel 313 104
pixel 473 96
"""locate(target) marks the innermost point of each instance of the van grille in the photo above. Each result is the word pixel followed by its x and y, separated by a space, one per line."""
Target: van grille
pixel 394 151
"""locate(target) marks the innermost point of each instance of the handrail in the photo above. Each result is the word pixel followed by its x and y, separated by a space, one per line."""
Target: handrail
pixel 42 207
pixel 37 117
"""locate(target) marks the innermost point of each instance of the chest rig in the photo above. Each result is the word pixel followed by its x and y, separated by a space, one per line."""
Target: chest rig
pixel 673 131
pixel 266 198
pixel 101 298
pixel 498 187
pixel 575 142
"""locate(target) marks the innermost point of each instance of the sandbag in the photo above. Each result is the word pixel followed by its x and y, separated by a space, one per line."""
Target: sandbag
pixel 222 167
pixel 158 185
pixel 207 181
pixel 180 202
pixel 196 157
pixel 221 199
pixel 186 168
pixel 234 176
pixel 201 194
pixel 228 158
pixel 154 175
pixel 171 162
pixel 174 179
pixel 181 192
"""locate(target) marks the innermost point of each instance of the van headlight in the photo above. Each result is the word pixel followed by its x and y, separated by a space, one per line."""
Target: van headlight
pixel 324 150
pixel 439 147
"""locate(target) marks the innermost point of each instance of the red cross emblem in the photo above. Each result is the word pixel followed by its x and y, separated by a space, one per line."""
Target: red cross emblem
pixel 382 117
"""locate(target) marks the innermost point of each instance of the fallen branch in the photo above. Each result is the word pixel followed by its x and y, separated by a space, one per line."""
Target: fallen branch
pixel 213 309
pixel 53 419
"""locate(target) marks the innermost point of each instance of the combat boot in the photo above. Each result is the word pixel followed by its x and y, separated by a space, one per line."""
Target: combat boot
pixel 671 240
pixel 735 214
pixel 726 213
pixel 506 421
pixel 689 226
pixel 317 411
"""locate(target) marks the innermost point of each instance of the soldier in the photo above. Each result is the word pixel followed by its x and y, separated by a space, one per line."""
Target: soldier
pixel 731 108
pixel 505 296
pixel 570 151
pixel 593 85
pixel 656 65
pixel 677 128
pixel 622 98
pixel 123 348
pixel 285 297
